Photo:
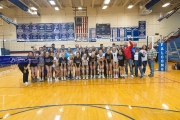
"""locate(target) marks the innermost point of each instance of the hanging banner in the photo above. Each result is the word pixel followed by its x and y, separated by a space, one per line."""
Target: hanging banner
pixel 162 56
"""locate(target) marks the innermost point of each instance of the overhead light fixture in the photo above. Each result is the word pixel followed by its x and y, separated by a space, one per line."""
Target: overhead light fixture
pixel 166 4
pixel 104 7
pixel 130 6
pixel 1 7
pixel 56 8
pixel 106 1
pixel 33 8
pixel 52 2
pixel 79 8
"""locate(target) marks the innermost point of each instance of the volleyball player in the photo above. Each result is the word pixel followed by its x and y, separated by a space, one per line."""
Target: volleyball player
pixel 115 62
pixel 121 59
pixel 85 66
pixel 100 58
pixel 41 66
pixel 56 66
pixel 33 65
pixel 77 64
pixel 48 62
pixel 70 66
pixel 108 58
pixel 93 60
pixel 63 66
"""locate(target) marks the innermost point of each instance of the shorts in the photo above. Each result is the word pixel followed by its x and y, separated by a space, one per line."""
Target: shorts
pixel 33 65
pixel 121 64
pixel 41 65
pixel 77 65
pixel 49 64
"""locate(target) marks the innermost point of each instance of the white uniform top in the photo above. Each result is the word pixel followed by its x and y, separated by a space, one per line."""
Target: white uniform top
pixel 136 56
pixel 57 62
pixel 115 59
pixel 144 52
pixel 85 62
pixel 70 62
pixel 100 57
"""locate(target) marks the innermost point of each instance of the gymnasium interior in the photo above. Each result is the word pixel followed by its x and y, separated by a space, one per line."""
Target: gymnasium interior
pixel 29 24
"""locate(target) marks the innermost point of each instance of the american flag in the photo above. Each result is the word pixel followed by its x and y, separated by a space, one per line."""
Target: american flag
pixel 82 28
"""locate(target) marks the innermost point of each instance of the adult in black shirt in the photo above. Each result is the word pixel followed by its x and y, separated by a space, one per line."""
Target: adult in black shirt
pixel 63 66
pixel 23 67
pixel 93 61
pixel 108 58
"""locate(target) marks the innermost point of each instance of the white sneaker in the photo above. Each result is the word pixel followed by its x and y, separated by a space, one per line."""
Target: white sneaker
pixel 40 79
pixel 83 77
pixel 132 76
pixel 57 79
pixel 76 77
pixel 91 76
pixel 48 79
pixel 94 76
pixel 26 83
pixel 107 76
pixel 64 78
pixel 111 76
pixel 103 76
pixel 125 75
pixel 99 76
pixel 145 75
pixel 79 77
pixel 86 77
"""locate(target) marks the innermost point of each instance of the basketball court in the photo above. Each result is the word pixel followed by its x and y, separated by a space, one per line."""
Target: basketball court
pixel 36 23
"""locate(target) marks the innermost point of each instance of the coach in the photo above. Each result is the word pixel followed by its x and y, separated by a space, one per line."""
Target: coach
pixel 127 53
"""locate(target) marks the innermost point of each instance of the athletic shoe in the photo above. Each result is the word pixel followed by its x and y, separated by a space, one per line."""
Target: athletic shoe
pixel 48 79
pixel 107 76
pixel 144 74
pixel 125 75
pixel 64 78
pixel 99 76
pixel 151 75
pixel 111 76
pixel 91 76
pixel 83 77
pixel 26 83
pixel 76 77
pixel 72 78
pixel 132 76
pixel 94 76
pixel 57 79
pixel 42 79
pixel 114 76
pixel 103 76
pixel 86 77
pixel 141 77
pixel 69 77
pixel 79 77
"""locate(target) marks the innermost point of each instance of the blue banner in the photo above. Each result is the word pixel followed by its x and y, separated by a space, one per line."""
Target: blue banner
pixel 45 31
pixel 142 29
pixel 13 59
pixel 162 56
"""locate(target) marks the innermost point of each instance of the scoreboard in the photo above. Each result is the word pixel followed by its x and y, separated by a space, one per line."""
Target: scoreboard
pixel 45 31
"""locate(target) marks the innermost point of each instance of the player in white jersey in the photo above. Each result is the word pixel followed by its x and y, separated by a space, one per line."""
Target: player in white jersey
pixel 100 58
pixel 85 66
pixel 70 66
pixel 115 62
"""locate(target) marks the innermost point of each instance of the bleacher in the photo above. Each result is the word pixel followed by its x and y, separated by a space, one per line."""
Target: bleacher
pixel 173 43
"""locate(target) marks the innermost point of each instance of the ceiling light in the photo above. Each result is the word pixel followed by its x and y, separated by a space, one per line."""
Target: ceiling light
pixel 52 2
pixel 166 4
pixel 106 1
pixel 104 7
pixel 33 8
pixel 56 8
pixel 79 8
pixel 1 7
pixel 130 6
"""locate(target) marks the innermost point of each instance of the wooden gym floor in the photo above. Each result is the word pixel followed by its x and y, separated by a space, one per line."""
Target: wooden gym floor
pixel 156 98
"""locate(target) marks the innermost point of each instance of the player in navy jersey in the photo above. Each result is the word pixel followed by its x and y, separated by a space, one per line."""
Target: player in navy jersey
pixel 85 66
pixel 77 64
pixel 41 66
pixel 33 65
pixel 48 62
pixel 63 66
pixel 121 59
pixel 108 58
pixel 93 61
